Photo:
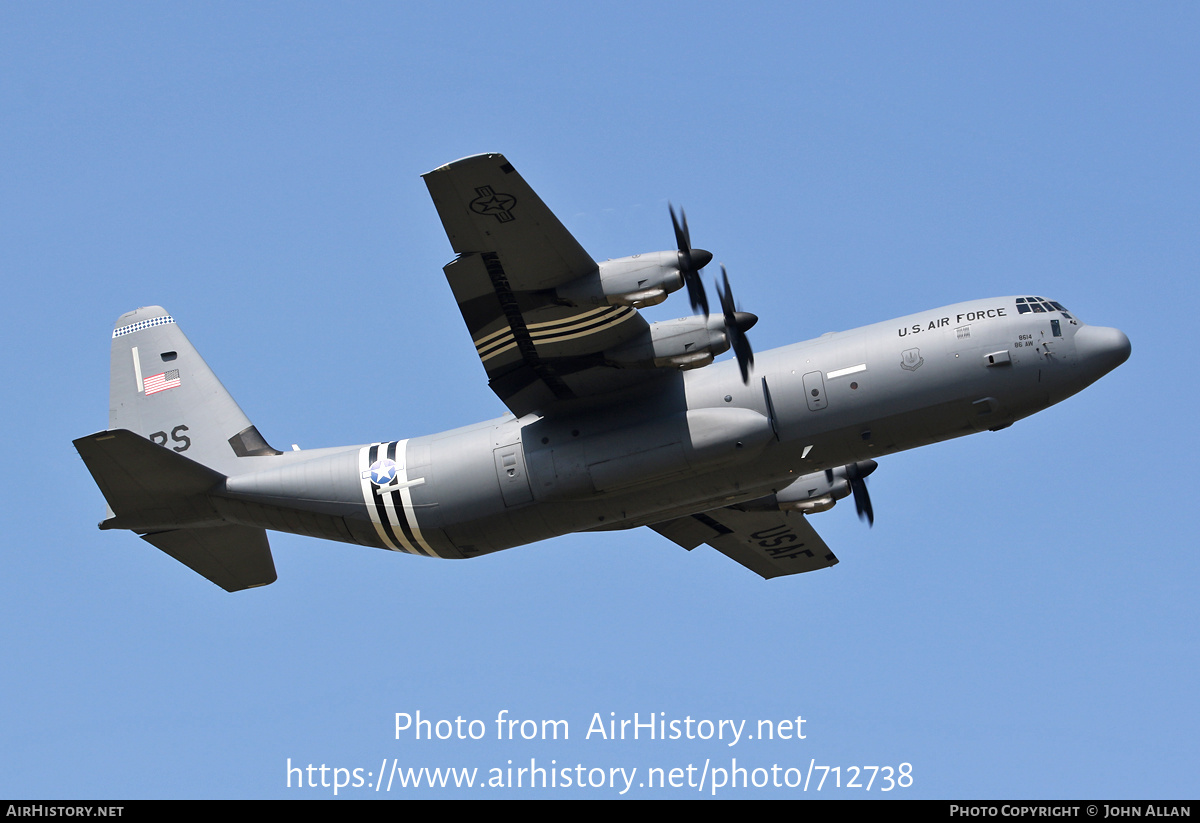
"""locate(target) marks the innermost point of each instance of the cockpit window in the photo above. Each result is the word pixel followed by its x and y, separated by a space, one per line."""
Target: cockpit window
pixel 1039 305
pixel 1062 309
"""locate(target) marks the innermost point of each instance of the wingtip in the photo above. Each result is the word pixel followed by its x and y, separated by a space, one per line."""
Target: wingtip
pixel 470 158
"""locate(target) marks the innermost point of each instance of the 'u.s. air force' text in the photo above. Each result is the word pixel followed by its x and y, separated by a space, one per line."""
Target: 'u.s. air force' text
pixel 943 322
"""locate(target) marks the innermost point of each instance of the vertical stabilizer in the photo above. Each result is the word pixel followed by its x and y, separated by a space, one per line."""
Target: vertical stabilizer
pixel 162 389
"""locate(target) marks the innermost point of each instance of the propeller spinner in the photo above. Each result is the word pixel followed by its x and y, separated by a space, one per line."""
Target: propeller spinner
pixel 857 473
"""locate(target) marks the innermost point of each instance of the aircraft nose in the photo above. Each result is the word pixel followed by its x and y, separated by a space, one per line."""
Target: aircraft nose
pixel 1100 350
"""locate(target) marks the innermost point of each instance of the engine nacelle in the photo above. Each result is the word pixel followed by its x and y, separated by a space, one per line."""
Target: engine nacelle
pixel 815 492
pixel 685 343
pixel 637 281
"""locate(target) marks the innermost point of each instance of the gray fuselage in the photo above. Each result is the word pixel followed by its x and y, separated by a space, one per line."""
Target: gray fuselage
pixel 688 441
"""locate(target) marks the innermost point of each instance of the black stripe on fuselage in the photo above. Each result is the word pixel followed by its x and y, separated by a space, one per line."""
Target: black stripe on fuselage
pixel 380 508
pixel 398 505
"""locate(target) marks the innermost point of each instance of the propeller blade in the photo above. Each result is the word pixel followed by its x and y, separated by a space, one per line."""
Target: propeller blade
pixel 857 473
pixel 682 235
pixel 862 502
pixel 736 324
pixel 691 261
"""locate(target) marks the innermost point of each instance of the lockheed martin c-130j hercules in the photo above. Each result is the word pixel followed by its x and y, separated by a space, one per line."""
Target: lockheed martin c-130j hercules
pixel 616 422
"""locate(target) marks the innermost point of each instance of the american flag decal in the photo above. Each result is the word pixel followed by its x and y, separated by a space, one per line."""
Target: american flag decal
pixel 162 382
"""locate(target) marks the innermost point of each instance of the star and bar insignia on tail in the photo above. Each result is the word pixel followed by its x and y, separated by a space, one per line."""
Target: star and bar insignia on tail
pixel 492 203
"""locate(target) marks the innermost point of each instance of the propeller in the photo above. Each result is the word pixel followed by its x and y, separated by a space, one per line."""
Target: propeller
pixel 857 473
pixel 691 261
pixel 737 323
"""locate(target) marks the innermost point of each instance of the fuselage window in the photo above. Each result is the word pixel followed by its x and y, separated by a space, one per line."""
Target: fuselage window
pixel 1056 328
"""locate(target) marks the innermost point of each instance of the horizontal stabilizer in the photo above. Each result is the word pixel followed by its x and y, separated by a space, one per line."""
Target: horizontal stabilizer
pixel 770 543
pixel 148 487
pixel 153 489
pixel 233 557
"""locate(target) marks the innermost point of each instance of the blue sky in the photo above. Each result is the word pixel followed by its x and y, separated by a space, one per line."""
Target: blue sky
pixel 1020 622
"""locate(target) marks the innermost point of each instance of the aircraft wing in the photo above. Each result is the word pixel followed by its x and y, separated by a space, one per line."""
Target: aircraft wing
pixel 513 252
pixel 768 543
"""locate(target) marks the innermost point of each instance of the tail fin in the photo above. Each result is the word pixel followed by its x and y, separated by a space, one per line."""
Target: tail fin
pixel 162 389
pixel 162 392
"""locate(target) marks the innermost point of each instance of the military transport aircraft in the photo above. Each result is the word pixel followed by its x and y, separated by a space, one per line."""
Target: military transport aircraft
pixel 616 422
